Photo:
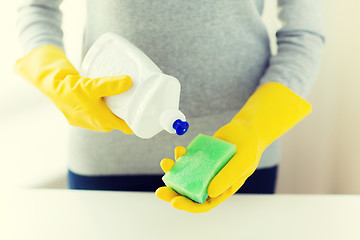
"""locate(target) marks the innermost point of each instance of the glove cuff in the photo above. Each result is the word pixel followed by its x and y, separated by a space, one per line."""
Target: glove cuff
pixel 273 109
pixel 44 66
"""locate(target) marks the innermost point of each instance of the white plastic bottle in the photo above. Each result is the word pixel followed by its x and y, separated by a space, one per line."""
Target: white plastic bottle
pixel 151 104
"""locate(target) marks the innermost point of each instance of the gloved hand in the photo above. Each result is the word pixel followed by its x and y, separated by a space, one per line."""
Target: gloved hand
pixel 270 112
pixel 80 99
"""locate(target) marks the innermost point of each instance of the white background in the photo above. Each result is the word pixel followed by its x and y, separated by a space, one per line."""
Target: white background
pixel 319 156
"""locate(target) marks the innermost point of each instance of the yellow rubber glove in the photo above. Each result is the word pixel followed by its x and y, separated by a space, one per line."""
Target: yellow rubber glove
pixel 80 99
pixel 270 112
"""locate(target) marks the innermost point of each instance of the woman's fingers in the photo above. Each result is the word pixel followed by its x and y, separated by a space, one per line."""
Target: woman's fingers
pixel 166 194
pixel 166 164
pixel 179 151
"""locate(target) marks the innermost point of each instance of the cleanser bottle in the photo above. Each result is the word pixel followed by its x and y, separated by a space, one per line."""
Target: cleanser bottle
pixel 151 104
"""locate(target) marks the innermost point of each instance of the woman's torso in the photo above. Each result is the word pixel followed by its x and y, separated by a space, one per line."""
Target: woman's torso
pixel 218 50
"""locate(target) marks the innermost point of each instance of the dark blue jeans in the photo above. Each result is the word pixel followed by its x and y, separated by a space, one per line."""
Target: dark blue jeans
pixel 262 181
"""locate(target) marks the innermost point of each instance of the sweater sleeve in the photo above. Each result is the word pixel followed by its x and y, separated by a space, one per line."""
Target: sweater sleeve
pixel 39 23
pixel 300 41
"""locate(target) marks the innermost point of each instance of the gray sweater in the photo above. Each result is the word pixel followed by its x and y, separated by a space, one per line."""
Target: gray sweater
pixel 218 50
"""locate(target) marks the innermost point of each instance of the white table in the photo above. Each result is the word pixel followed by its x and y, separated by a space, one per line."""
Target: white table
pixel 86 215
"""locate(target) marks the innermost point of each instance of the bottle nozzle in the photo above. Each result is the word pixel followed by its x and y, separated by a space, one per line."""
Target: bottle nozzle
pixel 173 121
pixel 180 126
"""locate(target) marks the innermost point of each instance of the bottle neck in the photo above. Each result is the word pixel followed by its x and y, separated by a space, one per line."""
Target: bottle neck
pixel 173 121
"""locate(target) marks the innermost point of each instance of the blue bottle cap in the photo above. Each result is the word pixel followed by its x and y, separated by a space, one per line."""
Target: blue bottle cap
pixel 180 127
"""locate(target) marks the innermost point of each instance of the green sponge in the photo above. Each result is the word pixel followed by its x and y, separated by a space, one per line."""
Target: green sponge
pixel 204 158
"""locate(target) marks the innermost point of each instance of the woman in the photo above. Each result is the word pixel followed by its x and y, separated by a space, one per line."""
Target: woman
pixel 218 50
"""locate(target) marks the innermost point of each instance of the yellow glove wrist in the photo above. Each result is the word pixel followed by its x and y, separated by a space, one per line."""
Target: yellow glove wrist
pixel 44 66
pixel 273 109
